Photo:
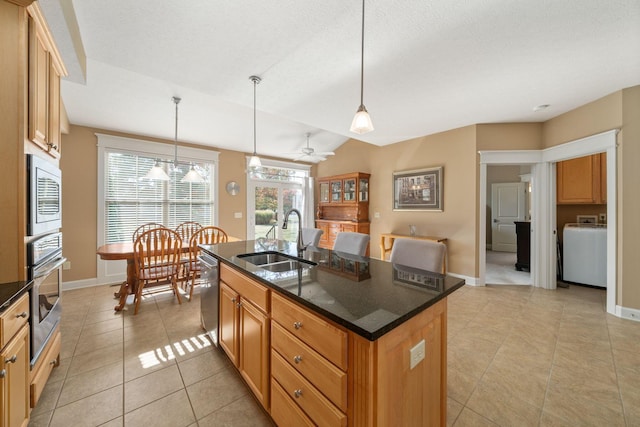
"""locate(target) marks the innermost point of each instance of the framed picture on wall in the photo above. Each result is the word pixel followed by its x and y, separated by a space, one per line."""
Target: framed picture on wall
pixel 418 190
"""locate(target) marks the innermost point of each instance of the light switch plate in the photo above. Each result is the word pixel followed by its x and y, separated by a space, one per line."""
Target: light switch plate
pixel 416 354
pixel 237 215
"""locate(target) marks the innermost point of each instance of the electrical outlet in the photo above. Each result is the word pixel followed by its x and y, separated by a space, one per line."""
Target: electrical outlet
pixel 237 215
pixel 376 214
pixel 603 217
pixel 416 354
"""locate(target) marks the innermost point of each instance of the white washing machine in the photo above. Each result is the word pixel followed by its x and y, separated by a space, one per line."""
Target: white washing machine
pixel 584 252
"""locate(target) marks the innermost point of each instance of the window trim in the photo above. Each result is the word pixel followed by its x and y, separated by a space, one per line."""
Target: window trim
pixel 108 142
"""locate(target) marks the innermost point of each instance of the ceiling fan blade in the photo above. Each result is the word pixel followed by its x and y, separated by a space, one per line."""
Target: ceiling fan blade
pixel 324 153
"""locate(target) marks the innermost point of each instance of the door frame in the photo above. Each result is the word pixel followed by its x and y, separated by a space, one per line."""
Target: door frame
pixel 543 202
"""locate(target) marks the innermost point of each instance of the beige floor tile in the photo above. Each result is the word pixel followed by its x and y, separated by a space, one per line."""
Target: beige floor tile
pixel 49 398
pixel 60 371
pixel 627 360
pixel 170 411
pixel 625 337
pixel 471 354
pixel 95 359
pixel 40 419
pixel 106 341
pixel 151 387
pixel 215 392
pixel 91 382
pixel 94 315
pixel 90 411
pixel 468 418
pixel 460 385
pixel 498 404
pixel 628 380
pixel 527 384
pixel 101 327
pixel 584 355
pixel 243 412
pixel 138 364
pixel 118 422
pixel 453 410
pixel 203 366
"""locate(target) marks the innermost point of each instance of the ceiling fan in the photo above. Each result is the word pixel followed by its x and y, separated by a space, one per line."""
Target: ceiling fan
pixel 309 154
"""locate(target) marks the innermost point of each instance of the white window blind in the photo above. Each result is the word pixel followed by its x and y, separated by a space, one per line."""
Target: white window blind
pixel 130 200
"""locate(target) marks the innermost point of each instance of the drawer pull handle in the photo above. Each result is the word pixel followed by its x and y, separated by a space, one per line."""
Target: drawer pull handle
pixel 297 325
pixel 12 359
pixel 297 393
pixel 297 359
pixel 24 314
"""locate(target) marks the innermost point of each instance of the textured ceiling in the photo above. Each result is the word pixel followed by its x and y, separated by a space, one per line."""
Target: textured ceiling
pixel 430 66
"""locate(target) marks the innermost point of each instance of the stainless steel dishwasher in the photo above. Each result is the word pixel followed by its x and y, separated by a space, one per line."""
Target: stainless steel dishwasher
pixel 209 295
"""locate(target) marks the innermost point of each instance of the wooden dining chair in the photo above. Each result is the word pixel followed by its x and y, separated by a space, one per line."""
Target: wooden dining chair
pixel 185 230
pixel 156 255
pixel 145 227
pixel 423 254
pixel 205 236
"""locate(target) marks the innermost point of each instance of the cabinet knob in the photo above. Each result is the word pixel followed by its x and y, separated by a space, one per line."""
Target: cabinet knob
pixel 53 362
pixel 24 314
pixel 297 359
pixel 233 300
pixel 297 325
pixel 3 373
pixel 297 393
pixel 239 305
pixel 12 359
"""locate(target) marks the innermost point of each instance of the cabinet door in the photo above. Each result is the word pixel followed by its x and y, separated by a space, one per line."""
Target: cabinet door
pixel 53 134
pixel 578 180
pixel 363 190
pixel 336 191
pixel 324 237
pixel 14 381
pixel 228 328
pixel 349 193
pixel 254 350
pixel 324 192
pixel 38 86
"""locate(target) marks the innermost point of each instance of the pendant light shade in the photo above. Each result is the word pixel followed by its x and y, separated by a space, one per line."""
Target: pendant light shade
pixel 362 121
pixel 193 176
pixel 254 161
pixel 156 173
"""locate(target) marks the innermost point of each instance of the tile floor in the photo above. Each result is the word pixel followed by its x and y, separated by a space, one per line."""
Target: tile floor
pixel 518 356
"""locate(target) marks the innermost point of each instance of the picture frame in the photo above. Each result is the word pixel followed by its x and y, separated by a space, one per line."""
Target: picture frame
pixel 418 190
pixel 587 219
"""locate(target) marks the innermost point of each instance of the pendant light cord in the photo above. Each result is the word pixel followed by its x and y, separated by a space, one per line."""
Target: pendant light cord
pixel 255 82
pixel 362 60
pixel 176 100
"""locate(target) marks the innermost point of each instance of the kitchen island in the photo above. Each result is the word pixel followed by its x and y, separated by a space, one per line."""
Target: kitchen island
pixel 335 339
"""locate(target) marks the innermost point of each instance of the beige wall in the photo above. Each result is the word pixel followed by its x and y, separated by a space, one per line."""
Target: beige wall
pixel 629 199
pixel 455 151
pixel 79 198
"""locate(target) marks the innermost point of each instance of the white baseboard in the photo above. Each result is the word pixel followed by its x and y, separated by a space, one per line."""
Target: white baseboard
pixel 628 313
pixel 471 281
pixel 86 283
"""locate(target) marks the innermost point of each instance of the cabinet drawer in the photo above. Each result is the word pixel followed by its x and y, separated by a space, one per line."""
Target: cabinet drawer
pixel 13 319
pixel 317 333
pixel 249 289
pixel 284 412
pixel 47 361
pixel 331 381
pixel 305 395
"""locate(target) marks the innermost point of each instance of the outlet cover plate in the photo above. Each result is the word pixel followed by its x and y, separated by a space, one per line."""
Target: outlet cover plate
pixel 416 354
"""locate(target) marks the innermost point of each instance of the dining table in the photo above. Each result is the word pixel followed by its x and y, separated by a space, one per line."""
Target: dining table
pixel 124 251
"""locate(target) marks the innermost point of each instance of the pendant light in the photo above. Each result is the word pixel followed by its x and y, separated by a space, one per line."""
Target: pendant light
pixel 362 121
pixel 254 161
pixel 158 173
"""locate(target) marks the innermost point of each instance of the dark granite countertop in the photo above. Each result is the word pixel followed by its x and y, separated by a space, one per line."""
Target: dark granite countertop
pixel 10 292
pixel 367 296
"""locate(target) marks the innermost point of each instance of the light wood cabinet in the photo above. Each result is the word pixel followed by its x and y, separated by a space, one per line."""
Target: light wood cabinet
pixel 45 69
pixel 309 362
pixel 244 329
pixel 331 228
pixel 582 180
pixel 14 364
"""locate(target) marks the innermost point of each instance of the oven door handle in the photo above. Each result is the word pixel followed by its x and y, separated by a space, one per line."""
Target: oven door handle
pixel 47 268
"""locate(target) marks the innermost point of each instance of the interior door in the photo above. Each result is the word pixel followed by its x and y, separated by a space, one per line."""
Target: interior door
pixel 507 206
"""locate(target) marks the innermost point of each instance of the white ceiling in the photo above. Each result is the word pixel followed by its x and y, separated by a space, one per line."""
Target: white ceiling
pixel 430 66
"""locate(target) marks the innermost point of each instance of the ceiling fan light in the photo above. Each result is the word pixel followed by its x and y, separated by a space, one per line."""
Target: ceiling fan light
pixel 361 121
pixel 156 173
pixel 193 176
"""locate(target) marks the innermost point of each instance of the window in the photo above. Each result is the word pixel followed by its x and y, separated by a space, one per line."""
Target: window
pixel 128 200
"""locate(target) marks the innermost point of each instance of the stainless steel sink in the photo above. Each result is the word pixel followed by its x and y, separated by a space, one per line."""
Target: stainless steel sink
pixel 276 261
